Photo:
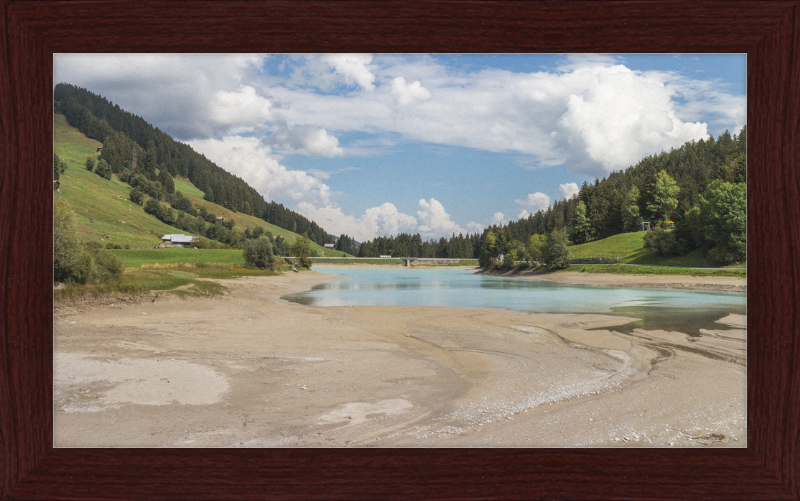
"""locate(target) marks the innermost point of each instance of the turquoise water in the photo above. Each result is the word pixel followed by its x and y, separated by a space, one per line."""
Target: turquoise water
pixel 657 309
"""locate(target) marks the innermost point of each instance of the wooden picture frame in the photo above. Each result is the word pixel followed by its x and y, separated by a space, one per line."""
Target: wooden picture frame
pixel 32 31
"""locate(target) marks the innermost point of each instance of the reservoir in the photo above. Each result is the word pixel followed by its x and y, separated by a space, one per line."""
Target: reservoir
pixel 672 310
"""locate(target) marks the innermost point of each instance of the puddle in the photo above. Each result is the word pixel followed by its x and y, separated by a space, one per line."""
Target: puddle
pixel 686 320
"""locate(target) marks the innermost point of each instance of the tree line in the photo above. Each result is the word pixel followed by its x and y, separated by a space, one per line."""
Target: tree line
pixel 699 189
pixel 406 245
pixel 130 143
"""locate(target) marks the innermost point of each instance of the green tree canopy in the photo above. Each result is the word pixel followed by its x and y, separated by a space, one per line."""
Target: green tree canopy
pixel 582 230
pixel 103 169
pixel 66 246
pixel 258 253
pixel 556 255
pixel 632 221
pixel 663 201
pixel 536 245
pixel 489 250
pixel 724 214
pixel 59 166
pixel 90 164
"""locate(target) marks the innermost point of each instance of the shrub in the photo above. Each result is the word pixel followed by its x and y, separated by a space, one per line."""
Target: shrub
pixel 258 253
pixel 137 196
pixel 103 169
pixel 66 246
pixel 664 242
pixel 153 207
pixel 303 260
pixel 96 266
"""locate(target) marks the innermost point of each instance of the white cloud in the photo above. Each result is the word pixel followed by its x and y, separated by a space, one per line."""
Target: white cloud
pixel 618 118
pixel 498 218
pixel 382 220
pixel 250 159
pixel 435 221
pixel 352 68
pixel 523 214
pixel 535 201
pixel 568 189
pixel 408 93
pixel 592 113
pixel 306 138
pixel 242 108
pixel 432 221
pixel 183 94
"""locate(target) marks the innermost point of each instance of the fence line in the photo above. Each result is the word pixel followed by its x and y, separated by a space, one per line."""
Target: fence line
pixel 595 256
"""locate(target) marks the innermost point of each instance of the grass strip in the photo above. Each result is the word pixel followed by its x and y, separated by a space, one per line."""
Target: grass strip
pixel 656 270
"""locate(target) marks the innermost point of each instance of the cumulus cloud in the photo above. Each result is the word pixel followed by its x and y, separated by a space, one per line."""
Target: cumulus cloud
pixel 408 93
pixel 352 68
pixel 186 95
pixel 593 114
pixel 306 138
pixel 382 220
pixel 434 220
pixel 523 214
pixel 568 189
pixel 618 118
pixel 250 159
pixel 242 108
pixel 535 201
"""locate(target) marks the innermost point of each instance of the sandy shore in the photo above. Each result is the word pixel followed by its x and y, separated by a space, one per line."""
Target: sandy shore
pixel 252 370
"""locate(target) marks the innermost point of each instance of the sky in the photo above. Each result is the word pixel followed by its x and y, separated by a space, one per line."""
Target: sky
pixel 377 144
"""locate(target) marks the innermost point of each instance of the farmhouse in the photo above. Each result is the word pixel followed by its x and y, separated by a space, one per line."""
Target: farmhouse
pixel 329 246
pixel 178 240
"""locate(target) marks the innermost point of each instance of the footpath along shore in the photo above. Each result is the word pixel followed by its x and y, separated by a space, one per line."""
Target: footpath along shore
pixel 252 370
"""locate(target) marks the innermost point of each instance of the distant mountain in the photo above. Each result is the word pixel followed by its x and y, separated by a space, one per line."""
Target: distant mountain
pixel 129 142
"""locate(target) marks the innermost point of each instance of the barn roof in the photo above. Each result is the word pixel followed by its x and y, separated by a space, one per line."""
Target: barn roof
pixel 179 238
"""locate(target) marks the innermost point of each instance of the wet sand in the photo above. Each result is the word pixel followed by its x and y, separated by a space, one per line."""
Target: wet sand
pixel 252 370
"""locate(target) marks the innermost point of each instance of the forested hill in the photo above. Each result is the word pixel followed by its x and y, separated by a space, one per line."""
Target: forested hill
pixel 130 142
pixel 693 167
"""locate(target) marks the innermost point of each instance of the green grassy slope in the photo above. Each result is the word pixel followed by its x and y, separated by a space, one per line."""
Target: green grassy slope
pixel 106 201
pixel 630 248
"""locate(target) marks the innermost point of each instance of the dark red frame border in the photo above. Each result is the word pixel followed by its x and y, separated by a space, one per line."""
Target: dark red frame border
pixel 768 31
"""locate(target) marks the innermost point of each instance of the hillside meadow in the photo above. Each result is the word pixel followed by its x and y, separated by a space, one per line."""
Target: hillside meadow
pixel 104 212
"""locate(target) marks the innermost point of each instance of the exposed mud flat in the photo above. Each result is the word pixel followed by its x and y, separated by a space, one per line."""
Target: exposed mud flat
pixel 252 370
pixel 673 282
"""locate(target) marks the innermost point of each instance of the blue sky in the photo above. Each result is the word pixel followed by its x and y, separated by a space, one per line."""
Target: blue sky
pixel 375 144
